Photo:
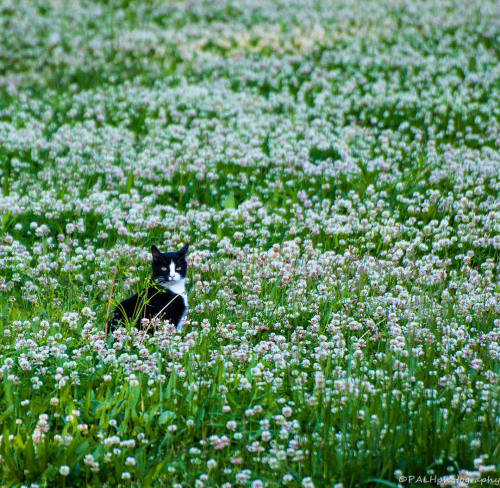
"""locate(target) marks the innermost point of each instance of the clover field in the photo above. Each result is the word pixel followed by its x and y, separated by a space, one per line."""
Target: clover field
pixel 335 168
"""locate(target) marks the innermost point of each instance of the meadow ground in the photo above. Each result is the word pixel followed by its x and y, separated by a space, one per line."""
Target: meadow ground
pixel 335 167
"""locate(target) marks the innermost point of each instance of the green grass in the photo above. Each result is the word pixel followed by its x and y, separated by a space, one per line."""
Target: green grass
pixel 335 169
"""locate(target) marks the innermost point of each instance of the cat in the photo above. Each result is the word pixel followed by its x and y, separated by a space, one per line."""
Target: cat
pixel 165 298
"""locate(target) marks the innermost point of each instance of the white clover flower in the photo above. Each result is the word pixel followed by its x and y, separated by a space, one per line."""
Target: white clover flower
pixel 88 460
pixel 130 461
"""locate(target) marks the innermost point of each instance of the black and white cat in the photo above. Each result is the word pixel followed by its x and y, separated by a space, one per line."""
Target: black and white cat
pixel 164 299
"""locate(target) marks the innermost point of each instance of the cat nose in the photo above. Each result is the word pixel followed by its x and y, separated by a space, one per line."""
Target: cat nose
pixel 172 277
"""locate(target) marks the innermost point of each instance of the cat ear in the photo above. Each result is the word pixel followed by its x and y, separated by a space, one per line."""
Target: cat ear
pixel 156 254
pixel 184 250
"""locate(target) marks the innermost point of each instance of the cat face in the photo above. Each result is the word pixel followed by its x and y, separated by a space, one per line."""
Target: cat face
pixel 169 267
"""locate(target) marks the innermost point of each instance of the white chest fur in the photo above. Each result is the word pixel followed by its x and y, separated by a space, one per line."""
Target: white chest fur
pixel 179 288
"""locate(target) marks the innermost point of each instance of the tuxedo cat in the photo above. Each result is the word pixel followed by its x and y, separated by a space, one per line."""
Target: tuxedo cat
pixel 165 298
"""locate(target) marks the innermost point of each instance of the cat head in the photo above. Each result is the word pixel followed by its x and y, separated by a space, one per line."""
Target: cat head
pixel 169 268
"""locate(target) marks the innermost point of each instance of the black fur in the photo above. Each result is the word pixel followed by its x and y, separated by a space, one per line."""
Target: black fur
pixel 155 301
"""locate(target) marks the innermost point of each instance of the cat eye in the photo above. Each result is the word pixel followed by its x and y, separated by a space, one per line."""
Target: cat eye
pixel 164 269
pixel 178 268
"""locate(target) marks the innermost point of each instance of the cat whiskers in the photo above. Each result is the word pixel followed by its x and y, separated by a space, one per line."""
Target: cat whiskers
pixel 160 279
